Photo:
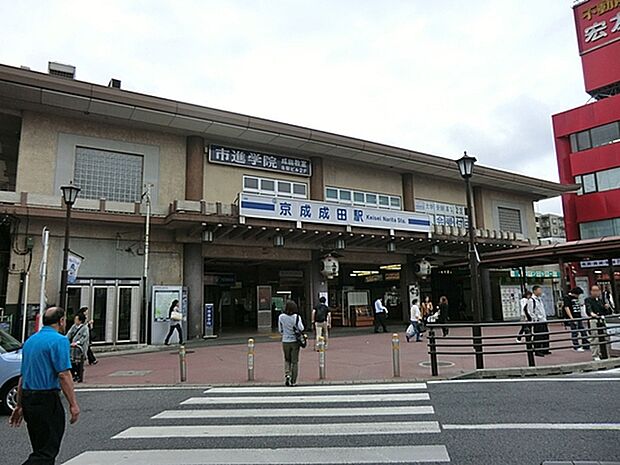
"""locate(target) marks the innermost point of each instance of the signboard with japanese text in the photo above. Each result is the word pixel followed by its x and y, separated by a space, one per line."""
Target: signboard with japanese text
pixel 598 36
pixel 516 273
pixel 598 23
pixel 309 211
pixel 260 161
pixel 598 263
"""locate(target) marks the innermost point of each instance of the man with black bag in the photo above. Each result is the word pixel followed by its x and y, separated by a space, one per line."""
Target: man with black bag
pixel 596 309
pixel 321 320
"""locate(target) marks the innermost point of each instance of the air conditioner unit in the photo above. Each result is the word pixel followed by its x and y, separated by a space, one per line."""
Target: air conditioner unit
pixel 59 69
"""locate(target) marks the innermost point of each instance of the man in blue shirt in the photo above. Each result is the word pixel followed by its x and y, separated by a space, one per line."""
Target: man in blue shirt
pixel 46 366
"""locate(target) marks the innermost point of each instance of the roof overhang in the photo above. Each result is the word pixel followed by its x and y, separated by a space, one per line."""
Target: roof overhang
pixel 28 90
pixel 574 251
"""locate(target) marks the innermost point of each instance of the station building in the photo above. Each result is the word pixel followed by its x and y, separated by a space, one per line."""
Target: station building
pixel 245 212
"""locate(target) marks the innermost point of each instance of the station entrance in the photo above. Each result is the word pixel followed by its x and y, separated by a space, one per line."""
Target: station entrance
pixel 249 295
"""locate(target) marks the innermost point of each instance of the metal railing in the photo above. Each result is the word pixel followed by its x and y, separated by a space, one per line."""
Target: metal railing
pixel 539 338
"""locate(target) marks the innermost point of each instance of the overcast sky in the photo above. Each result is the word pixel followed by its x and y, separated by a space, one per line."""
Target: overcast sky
pixel 438 76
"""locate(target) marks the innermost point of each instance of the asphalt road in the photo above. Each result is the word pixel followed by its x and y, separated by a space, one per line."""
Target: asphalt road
pixel 497 422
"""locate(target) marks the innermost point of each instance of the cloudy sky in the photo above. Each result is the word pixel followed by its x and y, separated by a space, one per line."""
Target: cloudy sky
pixel 437 76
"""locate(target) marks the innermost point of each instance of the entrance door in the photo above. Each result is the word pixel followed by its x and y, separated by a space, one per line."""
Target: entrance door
pixel 127 314
pixel 100 313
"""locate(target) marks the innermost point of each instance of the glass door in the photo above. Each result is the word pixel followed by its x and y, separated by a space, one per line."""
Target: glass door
pixel 124 314
pixel 74 303
pixel 100 313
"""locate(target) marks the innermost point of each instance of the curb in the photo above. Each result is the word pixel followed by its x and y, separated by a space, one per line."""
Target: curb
pixel 94 387
pixel 551 370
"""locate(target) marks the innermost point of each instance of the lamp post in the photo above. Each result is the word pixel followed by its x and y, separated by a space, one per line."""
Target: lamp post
pixel 466 168
pixel 69 195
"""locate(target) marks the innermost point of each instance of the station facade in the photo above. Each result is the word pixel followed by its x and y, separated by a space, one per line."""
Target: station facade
pixel 245 213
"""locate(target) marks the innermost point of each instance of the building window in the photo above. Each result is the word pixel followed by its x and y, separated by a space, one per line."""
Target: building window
pixel 10 130
pixel 268 186
pixel 510 220
pixel 602 228
pixel 600 181
pixel 595 137
pixel 368 199
pixel 103 174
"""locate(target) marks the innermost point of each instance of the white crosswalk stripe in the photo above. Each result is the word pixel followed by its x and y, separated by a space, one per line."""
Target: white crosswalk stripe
pixel 388 413
pixel 286 456
pixel 375 398
pixel 296 412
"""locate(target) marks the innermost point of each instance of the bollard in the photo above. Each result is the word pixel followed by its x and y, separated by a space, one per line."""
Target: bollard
pixel 432 350
pixel 321 349
pixel 251 359
pixel 183 363
pixel 396 355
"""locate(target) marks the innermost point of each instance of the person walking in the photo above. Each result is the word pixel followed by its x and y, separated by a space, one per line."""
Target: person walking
pixel 92 360
pixel 536 309
pixel 176 317
pixel 442 314
pixel 380 313
pixel 525 316
pixel 79 340
pixel 416 318
pixel 572 311
pixel 596 309
pixel 322 321
pixel 290 325
pixel 426 308
pixel 46 369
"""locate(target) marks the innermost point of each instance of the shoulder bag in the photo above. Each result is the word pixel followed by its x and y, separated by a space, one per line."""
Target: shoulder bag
pixel 302 339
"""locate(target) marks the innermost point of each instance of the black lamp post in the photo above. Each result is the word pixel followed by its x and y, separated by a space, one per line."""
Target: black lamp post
pixel 69 195
pixel 466 168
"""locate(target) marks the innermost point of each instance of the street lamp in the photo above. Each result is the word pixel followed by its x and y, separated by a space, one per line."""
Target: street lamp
pixel 69 195
pixel 466 168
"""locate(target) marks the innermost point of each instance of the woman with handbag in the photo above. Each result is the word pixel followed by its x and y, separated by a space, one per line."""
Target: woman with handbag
pixel 175 316
pixel 293 338
pixel 79 339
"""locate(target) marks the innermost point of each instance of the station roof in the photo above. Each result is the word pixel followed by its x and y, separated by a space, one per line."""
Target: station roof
pixel 23 89
pixel 587 249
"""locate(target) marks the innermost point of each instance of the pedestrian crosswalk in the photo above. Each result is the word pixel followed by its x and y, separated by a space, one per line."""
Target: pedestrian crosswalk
pixel 328 424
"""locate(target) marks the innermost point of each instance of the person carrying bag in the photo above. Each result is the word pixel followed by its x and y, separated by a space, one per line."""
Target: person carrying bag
pixel 293 339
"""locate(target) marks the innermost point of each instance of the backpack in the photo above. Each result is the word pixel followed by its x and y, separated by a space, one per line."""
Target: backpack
pixel 321 313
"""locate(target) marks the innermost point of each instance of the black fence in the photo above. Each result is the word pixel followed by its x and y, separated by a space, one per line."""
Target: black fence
pixel 536 339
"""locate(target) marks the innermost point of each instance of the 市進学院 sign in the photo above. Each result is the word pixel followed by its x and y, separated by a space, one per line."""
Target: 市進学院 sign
pixel 258 160
pixel 310 211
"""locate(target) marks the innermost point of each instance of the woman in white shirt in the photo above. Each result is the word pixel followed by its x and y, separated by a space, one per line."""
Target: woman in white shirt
pixel 289 324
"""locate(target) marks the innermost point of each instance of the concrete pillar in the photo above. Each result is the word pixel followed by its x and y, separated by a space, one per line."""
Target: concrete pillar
pixel 316 282
pixel 317 181
pixel 194 167
pixel 487 296
pixel 408 278
pixel 478 208
pixel 408 192
pixel 193 279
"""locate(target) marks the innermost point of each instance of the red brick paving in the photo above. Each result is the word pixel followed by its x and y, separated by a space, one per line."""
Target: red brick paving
pixel 362 357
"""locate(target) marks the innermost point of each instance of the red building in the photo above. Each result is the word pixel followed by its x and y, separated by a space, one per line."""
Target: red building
pixel 586 138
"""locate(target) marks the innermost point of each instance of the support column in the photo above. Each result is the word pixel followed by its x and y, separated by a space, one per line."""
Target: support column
pixel 317 181
pixel 317 283
pixel 194 168
pixel 487 296
pixel 478 208
pixel 193 279
pixel 408 278
pixel 408 192
pixel 612 283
